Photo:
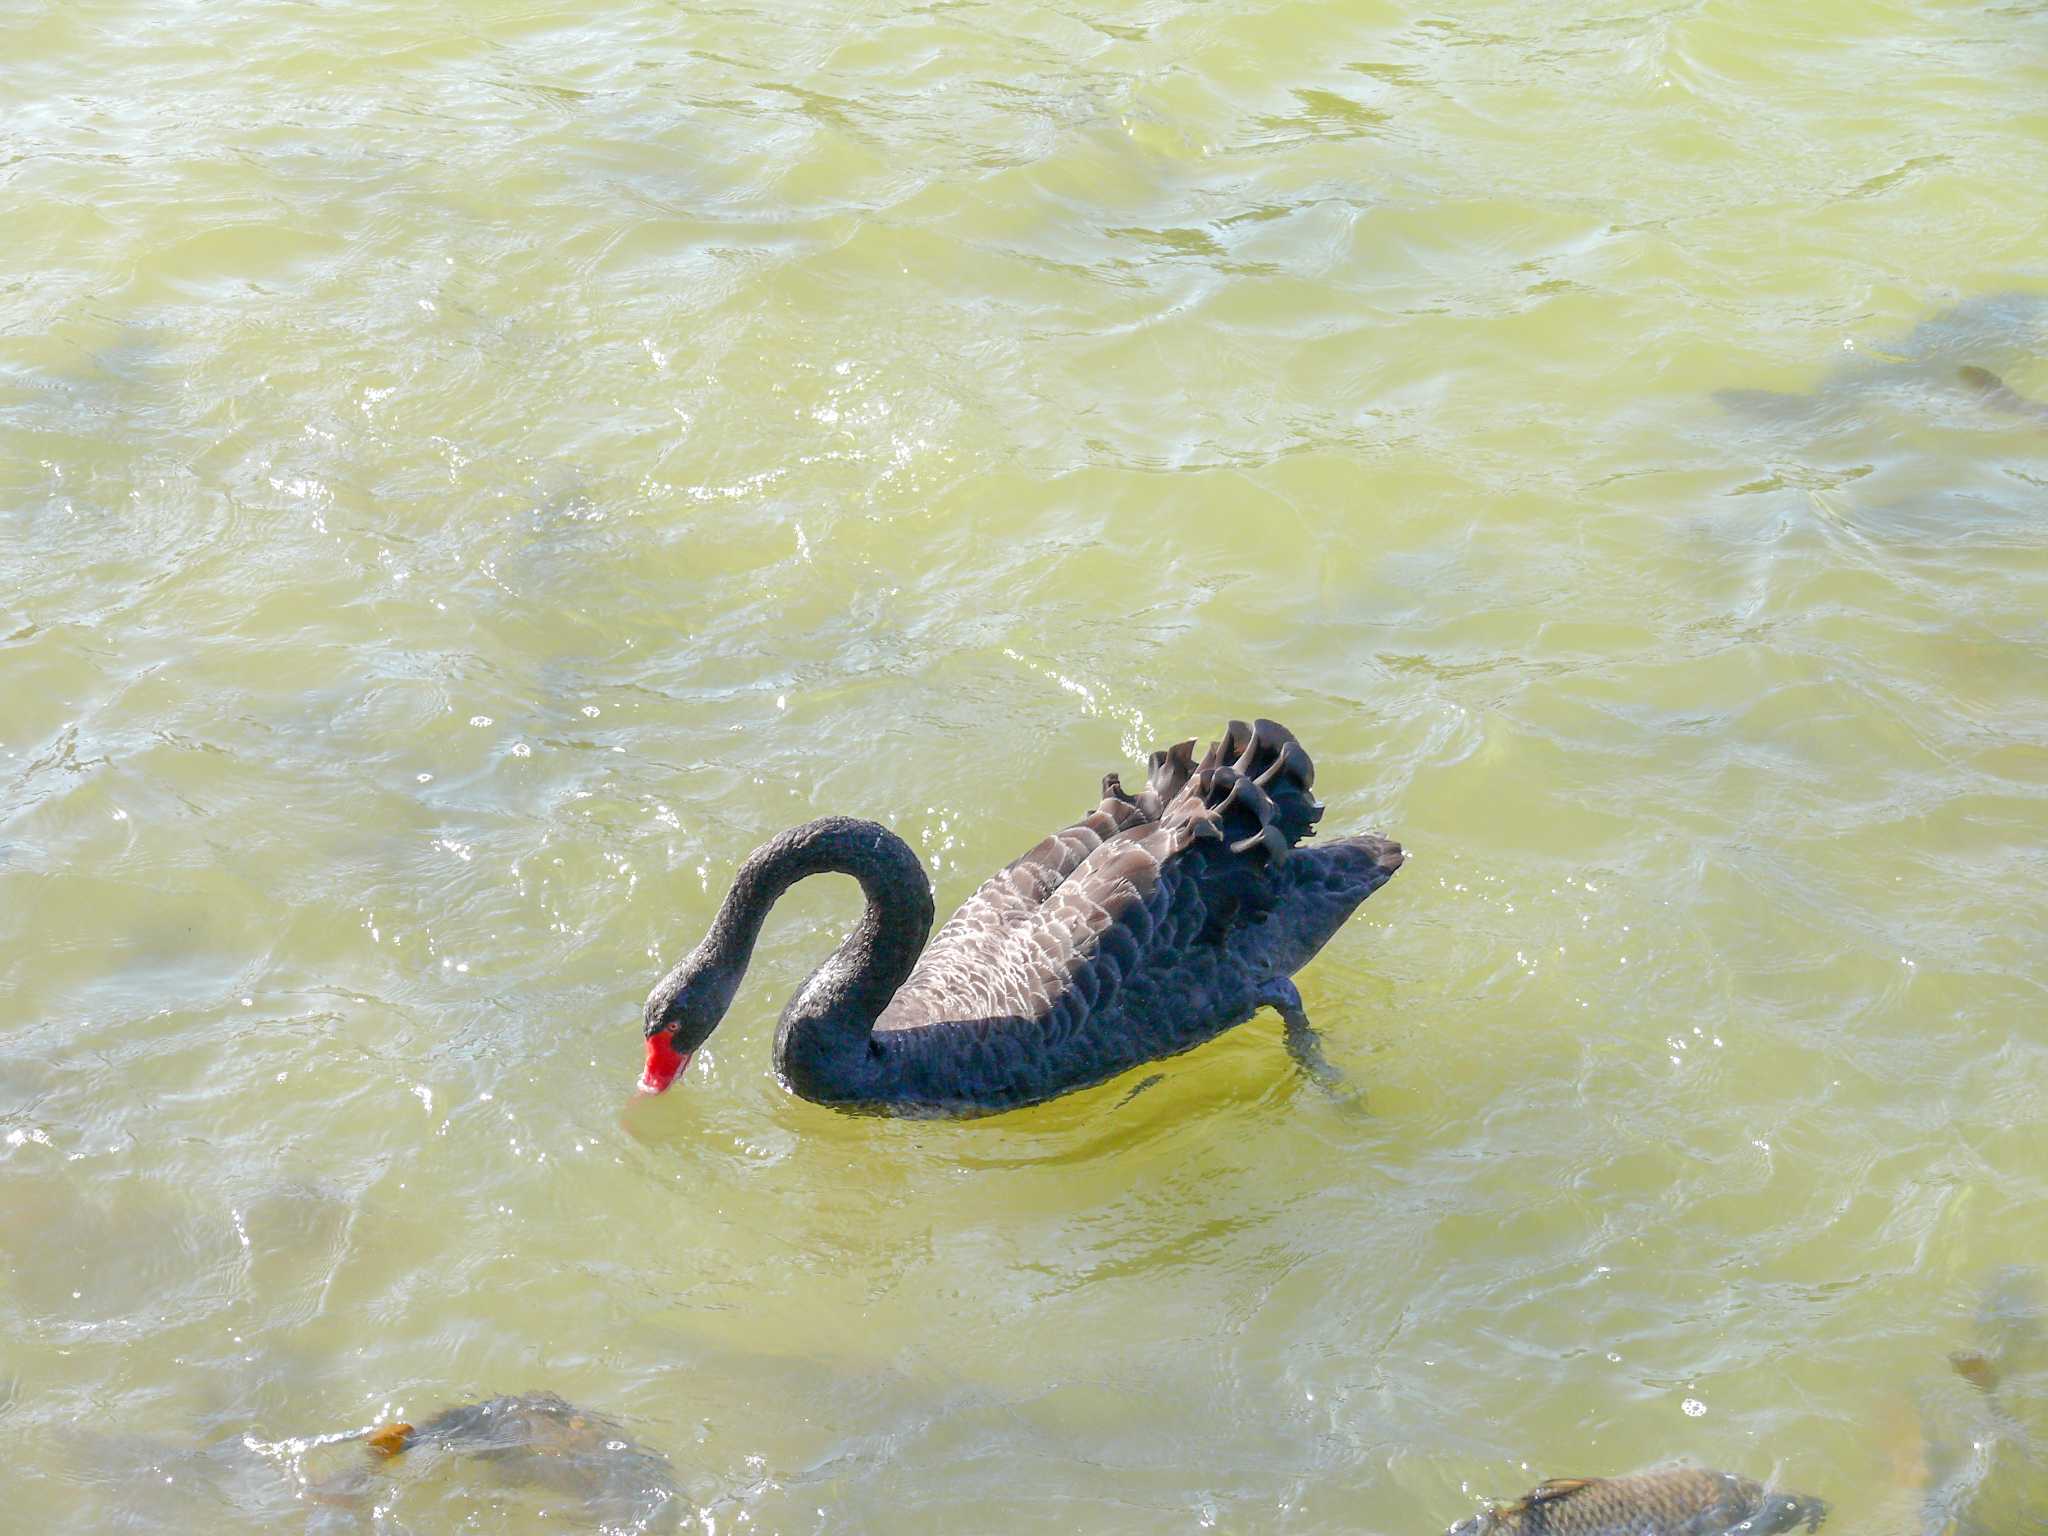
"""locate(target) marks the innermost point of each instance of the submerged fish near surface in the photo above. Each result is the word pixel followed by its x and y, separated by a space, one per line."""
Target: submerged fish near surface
pixel 1949 365
pixel 1669 1501
pixel 2001 396
pixel 541 1440
pixel 1986 1444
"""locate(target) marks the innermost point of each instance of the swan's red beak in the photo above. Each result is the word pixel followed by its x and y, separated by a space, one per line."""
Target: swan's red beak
pixel 664 1063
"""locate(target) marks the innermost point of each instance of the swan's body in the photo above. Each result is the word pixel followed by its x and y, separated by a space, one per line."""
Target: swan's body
pixel 1151 925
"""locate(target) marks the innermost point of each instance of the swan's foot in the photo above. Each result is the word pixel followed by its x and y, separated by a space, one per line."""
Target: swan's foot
pixel 1306 1047
pixel 1303 1043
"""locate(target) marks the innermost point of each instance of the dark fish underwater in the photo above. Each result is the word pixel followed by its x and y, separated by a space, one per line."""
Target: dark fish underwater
pixel 1950 365
pixel 542 1441
pixel 1669 1501
pixel 1986 1427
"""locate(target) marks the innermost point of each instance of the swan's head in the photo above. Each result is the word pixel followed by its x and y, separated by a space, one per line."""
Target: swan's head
pixel 682 1010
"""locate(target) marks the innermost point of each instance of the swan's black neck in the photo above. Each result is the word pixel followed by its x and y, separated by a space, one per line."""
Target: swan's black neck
pixel 825 1029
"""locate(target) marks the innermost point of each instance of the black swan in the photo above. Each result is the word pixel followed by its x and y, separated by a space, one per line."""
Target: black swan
pixel 1156 922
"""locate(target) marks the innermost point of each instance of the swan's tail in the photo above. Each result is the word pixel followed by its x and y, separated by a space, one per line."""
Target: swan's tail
pixel 1250 791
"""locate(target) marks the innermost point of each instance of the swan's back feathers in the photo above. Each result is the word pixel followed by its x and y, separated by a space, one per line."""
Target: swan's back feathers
pixel 1175 903
pixel 1272 773
pixel 1053 860
pixel 1250 792
pixel 1168 773
pixel 1018 891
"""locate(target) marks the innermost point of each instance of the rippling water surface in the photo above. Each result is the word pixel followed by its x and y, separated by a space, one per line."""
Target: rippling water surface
pixel 468 473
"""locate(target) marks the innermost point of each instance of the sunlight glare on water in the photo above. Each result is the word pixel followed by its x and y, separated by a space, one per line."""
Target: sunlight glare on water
pixel 468 474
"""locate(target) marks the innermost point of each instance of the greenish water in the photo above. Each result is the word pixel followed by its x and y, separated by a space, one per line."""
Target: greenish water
pixel 469 473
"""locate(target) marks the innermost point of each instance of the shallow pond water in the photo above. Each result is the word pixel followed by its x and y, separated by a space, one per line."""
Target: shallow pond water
pixel 469 473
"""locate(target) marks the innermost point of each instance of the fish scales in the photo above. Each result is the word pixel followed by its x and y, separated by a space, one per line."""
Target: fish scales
pixel 1670 1501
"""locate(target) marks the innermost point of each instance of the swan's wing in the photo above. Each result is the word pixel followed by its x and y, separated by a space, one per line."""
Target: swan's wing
pixel 1153 895
pixel 1024 885
pixel 979 963
pixel 1011 896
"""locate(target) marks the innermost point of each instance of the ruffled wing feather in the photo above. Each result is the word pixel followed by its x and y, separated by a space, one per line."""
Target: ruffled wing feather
pixel 1173 884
